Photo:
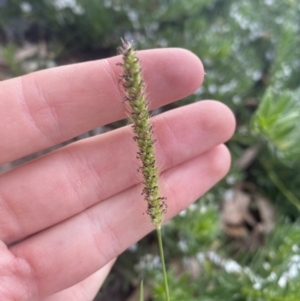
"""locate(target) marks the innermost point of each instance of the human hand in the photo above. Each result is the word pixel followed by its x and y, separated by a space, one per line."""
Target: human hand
pixel 66 216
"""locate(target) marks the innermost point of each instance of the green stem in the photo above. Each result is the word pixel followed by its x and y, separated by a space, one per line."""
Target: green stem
pixel 162 258
pixel 142 291
pixel 280 185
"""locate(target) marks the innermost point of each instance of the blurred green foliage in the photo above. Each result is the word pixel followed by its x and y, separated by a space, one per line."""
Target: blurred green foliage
pixel 251 53
pixel 277 120
pixel 8 54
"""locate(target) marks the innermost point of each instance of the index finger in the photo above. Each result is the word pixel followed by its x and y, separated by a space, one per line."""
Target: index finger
pixel 45 108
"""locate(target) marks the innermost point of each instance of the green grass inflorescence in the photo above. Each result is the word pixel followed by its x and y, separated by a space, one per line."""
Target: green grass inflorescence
pixel 134 88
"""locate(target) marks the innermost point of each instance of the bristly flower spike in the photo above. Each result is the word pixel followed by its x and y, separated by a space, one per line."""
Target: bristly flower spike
pixel 134 88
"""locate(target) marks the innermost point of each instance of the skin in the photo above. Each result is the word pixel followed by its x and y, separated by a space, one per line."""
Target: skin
pixel 66 216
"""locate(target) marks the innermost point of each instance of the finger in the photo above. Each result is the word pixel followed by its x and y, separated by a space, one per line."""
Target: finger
pixel 77 247
pixel 42 109
pixel 85 290
pixel 55 187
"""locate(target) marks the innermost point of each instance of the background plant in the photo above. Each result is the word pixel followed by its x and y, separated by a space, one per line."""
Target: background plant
pixel 251 53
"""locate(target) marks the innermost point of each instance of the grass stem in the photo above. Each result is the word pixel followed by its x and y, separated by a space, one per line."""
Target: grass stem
pixel 281 186
pixel 162 258
pixel 142 291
